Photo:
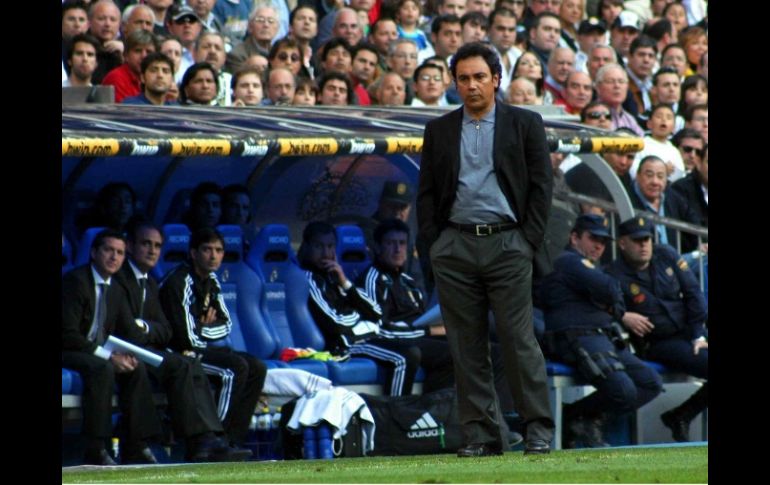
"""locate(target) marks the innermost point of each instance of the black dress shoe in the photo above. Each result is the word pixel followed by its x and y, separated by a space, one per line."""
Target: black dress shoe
pixel 231 453
pixel 680 429
pixel 537 447
pixel 585 431
pixel 479 449
pixel 141 457
pixel 100 457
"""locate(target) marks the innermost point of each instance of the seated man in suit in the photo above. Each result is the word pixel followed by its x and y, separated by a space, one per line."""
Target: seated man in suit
pixel 92 308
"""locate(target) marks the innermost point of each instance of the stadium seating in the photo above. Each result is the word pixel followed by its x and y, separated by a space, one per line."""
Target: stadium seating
pixel 352 253
pixel 176 242
pixel 83 253
pixel 66 254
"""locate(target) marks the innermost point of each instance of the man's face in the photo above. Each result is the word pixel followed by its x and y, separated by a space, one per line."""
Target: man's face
pixel 620 162
pixel 392 91
pixel 667 89
pixel 305 24
pixel 209 209
pixel 365 65
pixel 456 7
pixel 691 150
pixel 588 245
pixel 546 35
pixel 237 209
pixel 652 179
pixel 578 90
pixel 202 8
pixel 264 25
pixel 448 40
pixel 483 6
pixel 208 256
pixel 173 50
pixel 430 85
pixel 346 25
pixel 211 49
pixel 145 251
pixel 637 252
pixel 404 60
pixel 613 88
pixel 538 6
pixel 105 21
pixel 83 61
pixel 392 209
pixel 392 250
pixel 522 91
pixel 323 248
pixel 703 169
pixel 385 34
pixel 587 40
pixel 674 57
pixel 74 22
pixel 598 58
pixel 187 29
pixel 642 61
pixel 109 257
pixel 476 84
pixel 136 55
pixel 502 33
pixel 621 38
pixel 338 59
pixel 288 57
pixel 364 5
pixel 335 93
pixel 248 89
pixel 157 78
pixel 661 123
pixel 281 86
pixel 599 116
pixel 140 19
pixel 700 122
pixel 473 32
pixel 561 64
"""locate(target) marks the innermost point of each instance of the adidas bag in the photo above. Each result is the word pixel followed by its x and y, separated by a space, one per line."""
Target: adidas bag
pixel 415 425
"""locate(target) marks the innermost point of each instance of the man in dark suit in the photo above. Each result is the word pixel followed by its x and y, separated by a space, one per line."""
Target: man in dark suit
pixel 482 206
pixel 191 403
pixel 92 309
pixel 695 186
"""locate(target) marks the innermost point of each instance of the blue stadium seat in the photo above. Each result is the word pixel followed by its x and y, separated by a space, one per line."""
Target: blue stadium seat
pixel 176 243
pixel 558 369
pixel 66 254
pixel 71 382
pixel 178 206
pixel 352 253
pixel 83 254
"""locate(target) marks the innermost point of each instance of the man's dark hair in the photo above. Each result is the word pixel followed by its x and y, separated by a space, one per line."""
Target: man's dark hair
pixel 101 236
pixel 376 25
pixel 659 29
pixel 365 46
pixel 541 16
pixel 692 81
pixel 501 12
pixel 203 189
pixel 477 49
pixel 387 226
pixel 663 70
pixel 299 7
pixel 284 43
pixel 140 224
pixel 311 231
pixel 333 43
pixel 87 38
pixel 153 57
pixel 190 73
pixel 426 65
pixel 673 45
pixel 662 106
pixel 589 107
pixel 439 22
pixel 680 135
pixel 648 159
pixel 242 72
pixel 692 109
pixel 205 235
pixel 643 41
pixel 71 5
pixel 340 77
pixel 141 37
pixel 475 17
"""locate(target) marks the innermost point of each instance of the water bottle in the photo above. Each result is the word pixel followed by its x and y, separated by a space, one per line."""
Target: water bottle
pixel 309 443
pixel 116 449
pixel 324 436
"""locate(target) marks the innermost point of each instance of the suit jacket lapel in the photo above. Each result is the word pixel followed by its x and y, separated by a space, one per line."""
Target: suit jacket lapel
pixel 134 291
pixel 503 134
pixel 454 135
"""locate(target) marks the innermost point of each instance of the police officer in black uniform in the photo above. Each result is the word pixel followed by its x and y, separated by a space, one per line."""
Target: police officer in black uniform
pixel 581 306
pixel 659 284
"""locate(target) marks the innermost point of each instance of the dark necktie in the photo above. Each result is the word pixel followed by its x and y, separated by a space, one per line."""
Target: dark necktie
pixel 143 286
pixel 102 314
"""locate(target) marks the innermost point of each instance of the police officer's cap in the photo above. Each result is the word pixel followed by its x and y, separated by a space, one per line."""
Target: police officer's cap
pixel 594 224
pixel 396 192
pixel 636 228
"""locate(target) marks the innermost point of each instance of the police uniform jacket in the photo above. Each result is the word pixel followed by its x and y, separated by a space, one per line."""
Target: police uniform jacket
pixel 399 298
pixel 667 293
pixel 345 317
pixel 185 297
pixel 579 295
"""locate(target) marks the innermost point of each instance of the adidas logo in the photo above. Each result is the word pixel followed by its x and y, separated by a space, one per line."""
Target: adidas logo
pixel 424 427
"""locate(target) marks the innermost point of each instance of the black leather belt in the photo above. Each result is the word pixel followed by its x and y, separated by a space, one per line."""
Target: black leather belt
pixel 484 229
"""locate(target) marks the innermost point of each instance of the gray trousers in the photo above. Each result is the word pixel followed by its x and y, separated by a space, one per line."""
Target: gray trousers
pixel 476 274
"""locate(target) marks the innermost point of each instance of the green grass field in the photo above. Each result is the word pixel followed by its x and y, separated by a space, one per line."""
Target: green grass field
pixel 687 464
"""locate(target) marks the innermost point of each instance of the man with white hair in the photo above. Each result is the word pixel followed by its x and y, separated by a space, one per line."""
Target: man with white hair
pixel 263 29
pixel 137 17
pixel 560 64
pixel 611 89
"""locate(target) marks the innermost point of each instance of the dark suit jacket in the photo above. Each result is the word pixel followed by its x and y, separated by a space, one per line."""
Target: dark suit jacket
pixel 689 187
pixel 79 306
pixel 675 207
pixel 521 161
pixel 159 333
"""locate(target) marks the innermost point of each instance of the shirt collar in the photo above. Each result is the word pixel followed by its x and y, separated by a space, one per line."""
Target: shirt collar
pixel 137 272
pixel 98 280
pixel 487 118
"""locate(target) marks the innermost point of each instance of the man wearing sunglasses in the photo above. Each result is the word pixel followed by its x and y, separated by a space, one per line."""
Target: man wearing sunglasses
pixel 695 186
pixel 428 85
pixel 184 24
